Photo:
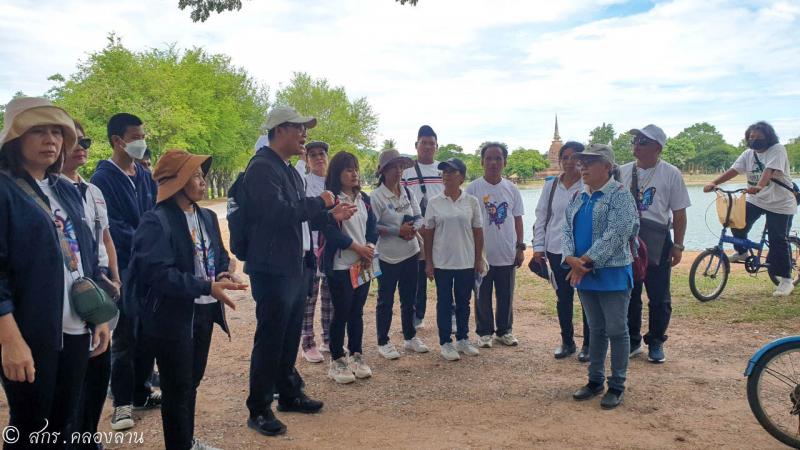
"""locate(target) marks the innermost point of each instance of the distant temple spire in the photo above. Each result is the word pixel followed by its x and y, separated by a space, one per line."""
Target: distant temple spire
pixel 556 136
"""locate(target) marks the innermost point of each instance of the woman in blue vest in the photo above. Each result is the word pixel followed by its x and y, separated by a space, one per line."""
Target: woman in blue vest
pixel 600 222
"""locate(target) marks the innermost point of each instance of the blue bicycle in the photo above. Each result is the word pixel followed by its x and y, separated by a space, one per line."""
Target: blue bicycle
pixel 709 273
pixel 773 389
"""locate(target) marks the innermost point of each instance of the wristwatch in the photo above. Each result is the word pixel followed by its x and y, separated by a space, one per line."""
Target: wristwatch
pixel 679 247
pixel 521 246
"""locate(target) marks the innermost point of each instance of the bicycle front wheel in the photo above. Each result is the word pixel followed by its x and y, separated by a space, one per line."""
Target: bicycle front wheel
pixel 773 392
pixel 709 275
pixel 794 261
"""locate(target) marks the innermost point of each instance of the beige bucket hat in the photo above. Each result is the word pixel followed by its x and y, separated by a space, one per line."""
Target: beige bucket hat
pixel 24 113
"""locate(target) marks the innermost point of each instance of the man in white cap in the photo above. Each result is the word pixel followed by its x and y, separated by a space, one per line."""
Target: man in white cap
pixel 278 245
pixel 661 198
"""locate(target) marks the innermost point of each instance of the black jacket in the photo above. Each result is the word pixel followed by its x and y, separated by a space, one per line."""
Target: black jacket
pixel 163 261
pixel 31 263
pixel 276 207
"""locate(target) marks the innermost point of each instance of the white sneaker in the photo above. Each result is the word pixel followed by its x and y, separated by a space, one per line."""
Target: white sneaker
pixel 416 345
pixel 388 351
pixel 360 368
pixel 122 418
pixel 508 339
pixel 340 372
pixel 449 352
pixel 785 287
pixel 199 445
pixel 738 257
pixel 465 346
pixel 485 341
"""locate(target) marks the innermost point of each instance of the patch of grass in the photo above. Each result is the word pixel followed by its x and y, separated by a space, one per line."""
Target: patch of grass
pixel 746 299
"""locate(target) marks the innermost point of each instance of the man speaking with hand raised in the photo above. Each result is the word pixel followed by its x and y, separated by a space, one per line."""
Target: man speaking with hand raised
pixel 279 217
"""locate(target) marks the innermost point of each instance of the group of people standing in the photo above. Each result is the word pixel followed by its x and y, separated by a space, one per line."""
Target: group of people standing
pixel 312 235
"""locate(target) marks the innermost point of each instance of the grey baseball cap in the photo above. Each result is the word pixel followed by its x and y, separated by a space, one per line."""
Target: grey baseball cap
pixel 651 132
pixel 284 114
pixel 597 151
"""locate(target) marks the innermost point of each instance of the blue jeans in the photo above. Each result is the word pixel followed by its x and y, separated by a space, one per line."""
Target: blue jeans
pixel 450 285
pixel 607 314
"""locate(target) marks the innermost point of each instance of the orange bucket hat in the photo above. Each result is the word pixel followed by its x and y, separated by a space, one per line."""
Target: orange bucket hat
pixel 174 169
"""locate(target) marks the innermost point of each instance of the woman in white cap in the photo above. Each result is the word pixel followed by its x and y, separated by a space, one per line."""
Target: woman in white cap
pixel 454 256
pixel 398 215
pixel 45 246
pixel 600 223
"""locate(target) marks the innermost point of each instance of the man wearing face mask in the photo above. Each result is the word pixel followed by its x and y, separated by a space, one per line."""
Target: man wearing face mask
pixel 129 191
pixel 770 193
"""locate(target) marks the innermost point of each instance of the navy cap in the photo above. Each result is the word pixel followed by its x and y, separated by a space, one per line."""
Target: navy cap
pixel 454 164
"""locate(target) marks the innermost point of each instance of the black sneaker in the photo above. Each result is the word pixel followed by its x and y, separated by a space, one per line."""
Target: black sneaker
pixel 588 391
pixel 612 399
pixel 300 404
pixel 636 350
pixel 151 402
pixel 266 424
pixel 583 356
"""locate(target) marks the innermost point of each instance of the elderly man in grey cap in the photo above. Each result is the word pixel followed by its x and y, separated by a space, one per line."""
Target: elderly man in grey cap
pixel 277 260
pixel 661 199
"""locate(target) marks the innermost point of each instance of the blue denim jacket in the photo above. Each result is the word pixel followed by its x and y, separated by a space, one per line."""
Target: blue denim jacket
pixel 615 221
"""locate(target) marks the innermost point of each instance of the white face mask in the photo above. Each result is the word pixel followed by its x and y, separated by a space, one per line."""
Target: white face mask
pixel 136 149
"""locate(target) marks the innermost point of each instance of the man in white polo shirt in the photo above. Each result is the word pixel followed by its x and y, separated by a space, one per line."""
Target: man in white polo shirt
pixel 661 198
pixel 424 180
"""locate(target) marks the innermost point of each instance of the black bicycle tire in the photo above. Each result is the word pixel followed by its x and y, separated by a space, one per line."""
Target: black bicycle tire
pixel 726 269
pixel 793 240
pixel 755 402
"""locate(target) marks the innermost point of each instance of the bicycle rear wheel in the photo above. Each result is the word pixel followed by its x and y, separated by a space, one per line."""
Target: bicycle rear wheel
pixel 773 392
pixel 709 274
pixel 794 261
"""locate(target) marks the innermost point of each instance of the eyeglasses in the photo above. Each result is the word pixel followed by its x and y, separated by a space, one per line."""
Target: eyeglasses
pixel 85 143
pixel 642 141
pixel 297 126
pixel 586 163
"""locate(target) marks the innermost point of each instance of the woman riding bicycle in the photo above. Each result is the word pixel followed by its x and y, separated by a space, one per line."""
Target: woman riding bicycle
pixel 769 186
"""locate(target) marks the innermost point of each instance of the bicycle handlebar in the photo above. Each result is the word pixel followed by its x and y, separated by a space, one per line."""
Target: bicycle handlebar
pixel 735 191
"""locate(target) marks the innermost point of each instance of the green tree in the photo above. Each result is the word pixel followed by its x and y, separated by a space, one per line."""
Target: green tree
pixel 623 148
pixel 524 163
pixel 201 9
pixel 717 158
pixel 793 149
pixel 187 99
pixel 703 135
pixel 344 124
pixel 445 152
pixel 678 151
pixel 604 134
pixel 389 143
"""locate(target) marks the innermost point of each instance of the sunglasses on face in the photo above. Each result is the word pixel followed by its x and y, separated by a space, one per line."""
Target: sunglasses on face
pixel 642 141
pixel 85 143
pixel 297 126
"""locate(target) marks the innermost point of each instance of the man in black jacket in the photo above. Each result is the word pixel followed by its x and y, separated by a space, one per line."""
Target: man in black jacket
pixel 279 216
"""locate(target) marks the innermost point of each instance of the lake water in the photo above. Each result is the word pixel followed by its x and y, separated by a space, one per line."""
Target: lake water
pixel 703 226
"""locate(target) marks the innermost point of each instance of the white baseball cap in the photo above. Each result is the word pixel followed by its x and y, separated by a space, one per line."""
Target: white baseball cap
pixel 652 132
pixel 284 114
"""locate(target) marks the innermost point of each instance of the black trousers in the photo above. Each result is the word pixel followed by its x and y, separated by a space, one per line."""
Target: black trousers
pixel 182 364
pixel 657 284
pixel 402 275
pixel 501 280
pixel 348 313
pixel 131 365
pixel 93 397
pixel 52 399
pixel 422 291
pixel 778 226
pixel 565 294
pixel 280 301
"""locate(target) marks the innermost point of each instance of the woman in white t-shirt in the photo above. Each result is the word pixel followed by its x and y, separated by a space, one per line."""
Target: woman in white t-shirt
pixel 766 165
pixel 550 216
pixel 398 215
pixel 347 245
pixel 453 256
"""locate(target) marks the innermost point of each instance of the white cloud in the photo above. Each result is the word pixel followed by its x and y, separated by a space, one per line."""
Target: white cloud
pixel 474 70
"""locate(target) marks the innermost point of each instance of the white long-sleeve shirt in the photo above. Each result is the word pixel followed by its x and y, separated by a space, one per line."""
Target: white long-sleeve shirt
pixel 551 240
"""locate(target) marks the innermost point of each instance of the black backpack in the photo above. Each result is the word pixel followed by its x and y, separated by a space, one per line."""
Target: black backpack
pixel 237 215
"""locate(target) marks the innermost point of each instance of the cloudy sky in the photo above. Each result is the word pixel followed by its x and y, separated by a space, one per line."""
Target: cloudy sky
pixel 475 70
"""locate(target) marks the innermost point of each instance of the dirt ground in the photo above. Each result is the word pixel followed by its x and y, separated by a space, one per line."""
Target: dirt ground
pixel 508 397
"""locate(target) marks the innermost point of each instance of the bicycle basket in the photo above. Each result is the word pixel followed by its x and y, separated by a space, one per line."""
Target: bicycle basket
pixel 735 205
